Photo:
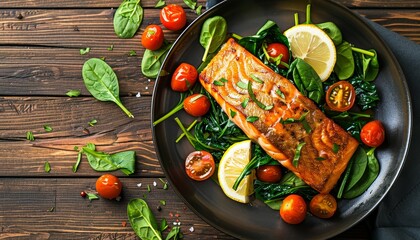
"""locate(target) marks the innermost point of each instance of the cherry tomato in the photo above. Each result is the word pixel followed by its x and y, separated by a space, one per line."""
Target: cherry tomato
pixel 276 49
pixel 373 133
pixel 323 205
pixel 340 96
pixel 197 105
pixel 152 37
pixel 184 77
pixel 269 173
pixel 200 165
pixel 173 17
pixel 293 209
pixel 108 186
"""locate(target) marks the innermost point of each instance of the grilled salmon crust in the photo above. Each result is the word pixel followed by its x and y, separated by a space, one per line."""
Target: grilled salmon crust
pixel 273 113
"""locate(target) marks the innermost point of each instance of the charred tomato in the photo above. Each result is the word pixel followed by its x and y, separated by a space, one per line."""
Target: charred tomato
pixel 323 205
pixel 340 96
pixel 200 165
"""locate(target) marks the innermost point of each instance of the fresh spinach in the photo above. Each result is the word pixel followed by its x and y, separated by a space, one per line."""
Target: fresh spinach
pixel 367 96
pixel 191 3
pixel 73 93
pixel 344 66
pixel 370 174
pixel 127 18
pixel 306 80
pixel 332 31
pixel 174 234
pixel 102 82
pixel 100 161
pixel 213 34
pixel 142 220
pixel 160 4
pixel 357 168
pixel 47 167
pixel 152 61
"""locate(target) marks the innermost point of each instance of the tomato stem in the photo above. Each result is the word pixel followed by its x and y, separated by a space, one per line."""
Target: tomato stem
pixel 366 52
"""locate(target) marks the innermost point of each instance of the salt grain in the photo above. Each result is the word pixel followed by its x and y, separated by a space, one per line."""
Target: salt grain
pixel 138 94
pixel 154 183
pixel 138 184
pixel 191 229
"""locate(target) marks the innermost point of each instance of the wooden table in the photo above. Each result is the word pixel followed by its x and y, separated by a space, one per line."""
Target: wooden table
pixel 39 62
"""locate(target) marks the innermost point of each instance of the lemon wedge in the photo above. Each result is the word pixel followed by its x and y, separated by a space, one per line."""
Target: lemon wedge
pixel 314 46
pixel 231 165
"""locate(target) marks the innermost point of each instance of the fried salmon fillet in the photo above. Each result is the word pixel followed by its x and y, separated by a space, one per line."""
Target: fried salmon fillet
pixel 273 113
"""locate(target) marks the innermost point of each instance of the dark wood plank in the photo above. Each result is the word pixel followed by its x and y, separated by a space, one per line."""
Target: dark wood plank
pixel 53 209
pixel 69 119
pixel 19 4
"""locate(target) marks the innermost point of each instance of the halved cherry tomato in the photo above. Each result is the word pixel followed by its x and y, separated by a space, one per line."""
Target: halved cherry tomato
pixel 173 17
pixel 323 205
pixel 197 105
pixel 200 165
pixel 269 173
pixel 108 186
pixel 340 96
pixel 274 50
pixel 293 209
pixel 184 77
pixel 152 37
pixel 373 133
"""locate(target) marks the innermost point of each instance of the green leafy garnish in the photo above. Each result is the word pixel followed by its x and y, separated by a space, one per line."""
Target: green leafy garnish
pixel 73 93
pixel 30 136
pixel 47 167
pixel 84 51
pixel 48 128
pixel 297 154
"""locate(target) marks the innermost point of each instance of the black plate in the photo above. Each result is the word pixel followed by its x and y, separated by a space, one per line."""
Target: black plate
pixel 244 221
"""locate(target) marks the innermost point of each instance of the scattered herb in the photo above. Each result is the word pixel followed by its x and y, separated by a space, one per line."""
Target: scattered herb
pixel 47 167
pixel 256 79
pixel 297 154
pixel 48 128
pixel 218 83
pixel 84 51
pixel 191 3
pixel 242 85
pixel 160 4
pixel 142 220
pixel 30 136
pixel 73 93
pixel 100 161
pixel 92 122
pixel 199 9
pixel 232 113
pixel 110 48
pixel 51 209
pixel 92 196
pixel 102 82
pixel 252 119
pixel 165 184
pixel 148 188
pixel 127 18
pixel 162 202
pixel 213 34
pixel 335 148
pixel 79 159
pixel 163 225
pixel 175 234
pixel 132 53
pixel 244 103
pixel 254 98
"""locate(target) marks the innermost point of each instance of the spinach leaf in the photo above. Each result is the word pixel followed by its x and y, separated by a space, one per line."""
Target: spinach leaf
pixel 372 171
pixel 357 168
pixel 306 80
pixel 213 34
pixel 370 66
pixel 332 31
pixel 174 234
pixel 152 61
pixel 142 220
pixel 100 161
pixel 102 82
pixel 73 93
pixel 127 18
pixel 344 66
pixel 191 3
pixel 367 96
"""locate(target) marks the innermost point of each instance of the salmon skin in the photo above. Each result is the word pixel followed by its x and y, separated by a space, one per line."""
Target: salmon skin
pixel 273 113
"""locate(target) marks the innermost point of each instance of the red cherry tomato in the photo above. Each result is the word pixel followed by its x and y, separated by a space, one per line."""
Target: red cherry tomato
pixel 152 37
pixel 197 105
pixel 373 133
pixel 184 77
pixel 108 186
pixel 276 49
pixel 340 96
pixel 269 173
pixel 323 205
pixel 293 209
pixel 173 17
pixel 200 165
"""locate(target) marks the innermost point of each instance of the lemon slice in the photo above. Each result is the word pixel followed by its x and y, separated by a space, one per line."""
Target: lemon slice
pixel 231 165
pixel 314 46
